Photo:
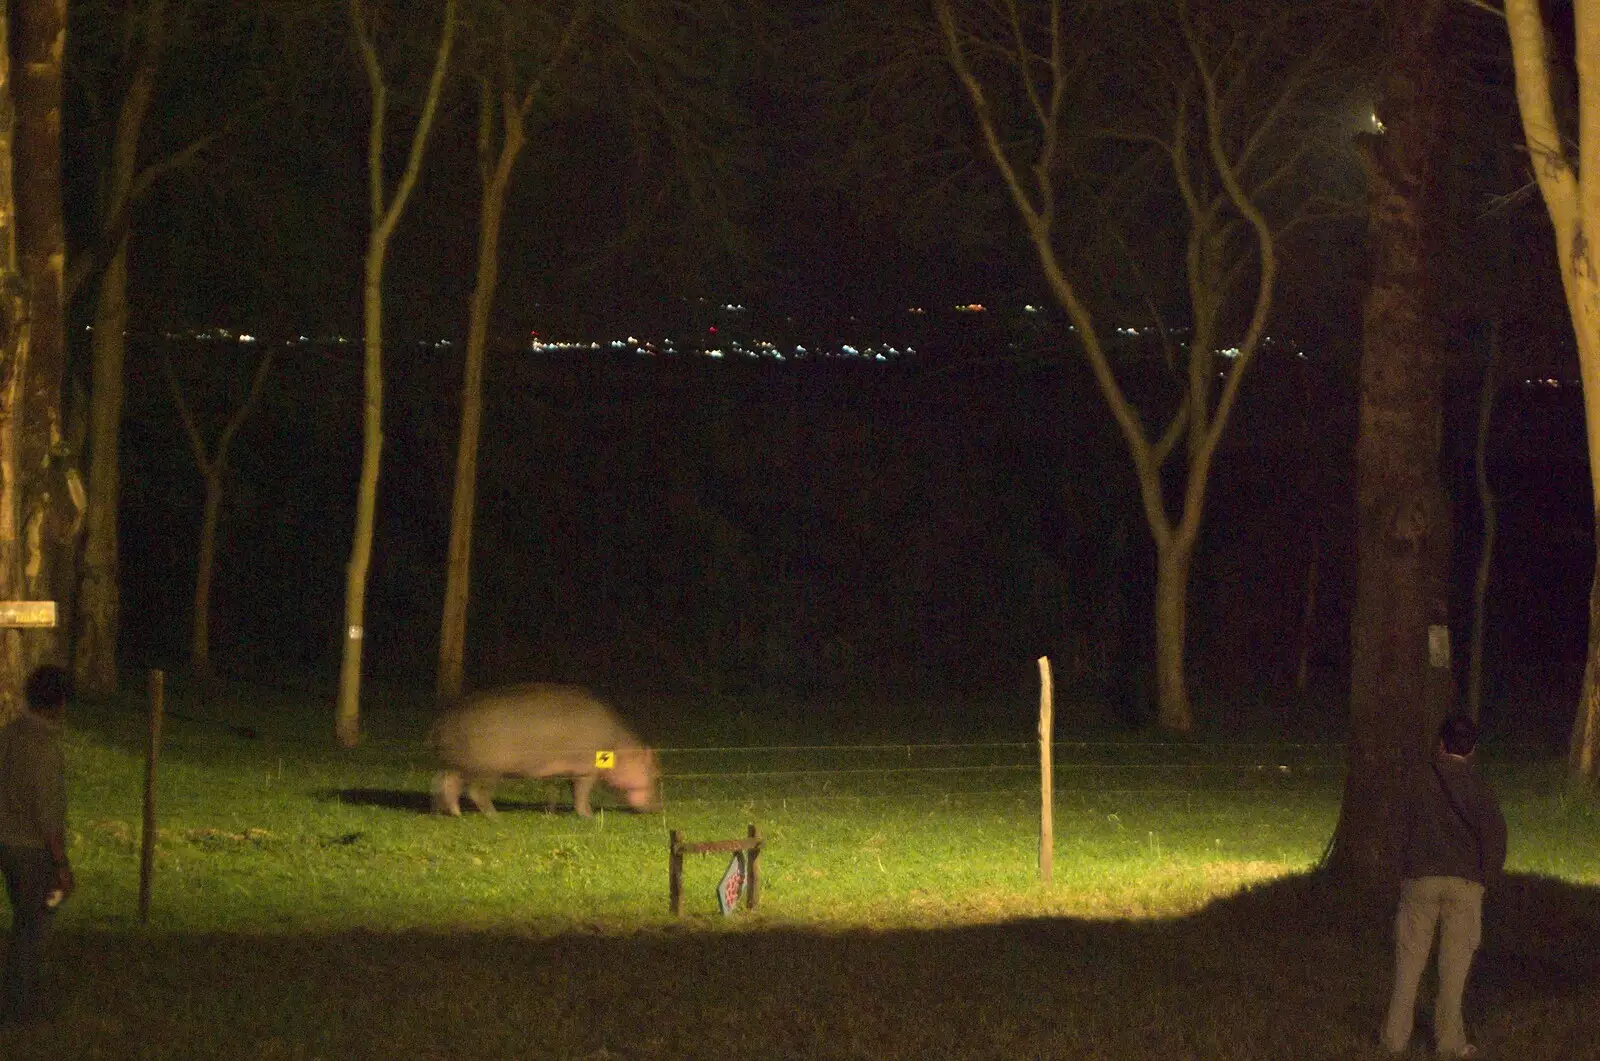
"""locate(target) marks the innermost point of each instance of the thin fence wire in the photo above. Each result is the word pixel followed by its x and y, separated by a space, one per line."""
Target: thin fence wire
pixel 815 774
pixel 814 777
pixel 1008 794
pixel 885 771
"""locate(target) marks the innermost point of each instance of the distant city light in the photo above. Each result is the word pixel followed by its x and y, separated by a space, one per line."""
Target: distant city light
pixel 760 348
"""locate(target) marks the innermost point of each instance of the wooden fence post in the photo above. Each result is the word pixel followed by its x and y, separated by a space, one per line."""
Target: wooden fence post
pixel 1047 824
pixel 751 875
pixel 675 872
pixel 147 845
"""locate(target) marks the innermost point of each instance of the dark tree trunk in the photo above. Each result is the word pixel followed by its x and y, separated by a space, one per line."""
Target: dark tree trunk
pixel 13 364
pixel 95 652
pixel 1397 693
pixel 496 180
pixel 50 491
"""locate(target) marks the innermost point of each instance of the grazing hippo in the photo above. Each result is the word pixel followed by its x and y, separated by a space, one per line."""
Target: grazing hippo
pixel 537 730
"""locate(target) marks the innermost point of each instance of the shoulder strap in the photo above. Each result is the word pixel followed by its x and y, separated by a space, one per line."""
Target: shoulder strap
pixel 1472 830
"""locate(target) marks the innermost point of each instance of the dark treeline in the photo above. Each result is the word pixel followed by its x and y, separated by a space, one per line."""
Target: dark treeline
pixel 817 529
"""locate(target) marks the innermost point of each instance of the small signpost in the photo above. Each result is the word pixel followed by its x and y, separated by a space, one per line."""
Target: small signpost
pixel 743 873
pixel 27 614
pixel 605 760
pixel 732 885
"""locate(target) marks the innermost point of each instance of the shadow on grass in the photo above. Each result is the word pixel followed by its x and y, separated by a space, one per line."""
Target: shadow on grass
pixel 1289 971
pixel 422 802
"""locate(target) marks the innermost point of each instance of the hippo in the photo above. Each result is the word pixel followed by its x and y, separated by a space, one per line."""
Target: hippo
pixel 537 730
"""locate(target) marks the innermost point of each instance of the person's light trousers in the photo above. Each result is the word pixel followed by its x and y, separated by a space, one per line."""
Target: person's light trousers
pixel 1455 906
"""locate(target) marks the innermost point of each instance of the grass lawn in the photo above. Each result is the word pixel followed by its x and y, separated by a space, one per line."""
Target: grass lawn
pixel 307 906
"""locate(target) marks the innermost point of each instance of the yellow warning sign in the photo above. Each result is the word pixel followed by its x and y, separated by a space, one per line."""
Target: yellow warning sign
pixel 605 760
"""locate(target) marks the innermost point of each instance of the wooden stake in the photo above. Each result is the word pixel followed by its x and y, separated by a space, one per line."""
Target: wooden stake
pixel 1047 824
pixel 675 873
pixel 752 874
pixel 147 846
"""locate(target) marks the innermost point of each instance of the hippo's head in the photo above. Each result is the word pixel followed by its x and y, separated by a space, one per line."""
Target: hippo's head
pixel 638 777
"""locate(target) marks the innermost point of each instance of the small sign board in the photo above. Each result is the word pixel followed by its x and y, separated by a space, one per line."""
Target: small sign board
pixel 1439 646
pixel 605 760
pixel 732 885
pixel 28 613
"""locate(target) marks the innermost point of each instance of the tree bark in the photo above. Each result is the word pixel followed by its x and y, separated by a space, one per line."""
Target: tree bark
pixel 94 661
pixel 1572 199
pixel 384 217
pixel 13 365
pixel 1403 518
pixel 1172 610
pixel 50 493
pixel 205 564
pixel 458 571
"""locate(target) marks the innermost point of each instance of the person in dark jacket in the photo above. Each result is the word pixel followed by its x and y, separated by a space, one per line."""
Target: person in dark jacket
pixel 1453 845
pixel 33 826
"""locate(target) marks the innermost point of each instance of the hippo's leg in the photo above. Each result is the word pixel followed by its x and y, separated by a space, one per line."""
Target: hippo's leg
pixel 582 785
pixel 479 790
pixel 447 793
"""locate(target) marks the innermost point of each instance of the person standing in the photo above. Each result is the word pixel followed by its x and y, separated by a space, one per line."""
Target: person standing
pixel 33 826
pixel 1453 844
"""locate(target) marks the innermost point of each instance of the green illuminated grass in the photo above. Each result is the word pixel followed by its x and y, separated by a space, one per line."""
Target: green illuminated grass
pixel 306 906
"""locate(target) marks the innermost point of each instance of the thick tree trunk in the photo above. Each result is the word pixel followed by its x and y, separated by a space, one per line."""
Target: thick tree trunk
pixel 1172 610
pixel 13 363
pixel 1572 198
pixel 1584 754
pixel 95 653
pixel 13 672
pixel 458 571
pixel 1403 522
pixel 49 507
